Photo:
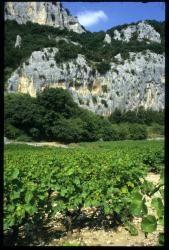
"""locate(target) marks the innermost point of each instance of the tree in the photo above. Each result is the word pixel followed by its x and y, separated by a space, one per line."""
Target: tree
pixel 116 116
pixel 21 111
pixel 137 132
pixel 130 116
pixel 68 130
pixel 57 100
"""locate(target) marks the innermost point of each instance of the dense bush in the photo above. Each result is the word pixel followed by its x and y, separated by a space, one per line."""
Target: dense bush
pixel 11 132
pixel 53 115
pixel 57 100
pixel 103 67
pixel 121 131
pixel 139 115
pixel 68 130
pixel 137 132
pixel 22 111
pixel 129 131
pixel 155 130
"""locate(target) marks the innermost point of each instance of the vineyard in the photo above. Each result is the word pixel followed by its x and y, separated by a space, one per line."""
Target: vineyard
pixel 107 178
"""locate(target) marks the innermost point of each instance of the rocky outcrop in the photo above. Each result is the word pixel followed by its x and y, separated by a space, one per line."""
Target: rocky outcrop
pixel 136 81
pixel 18 41
pixel 141 31
pixel 107 39
pixel 46 13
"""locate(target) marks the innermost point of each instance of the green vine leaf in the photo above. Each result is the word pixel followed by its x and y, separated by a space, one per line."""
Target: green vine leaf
pixel 136 207
pixel 149 224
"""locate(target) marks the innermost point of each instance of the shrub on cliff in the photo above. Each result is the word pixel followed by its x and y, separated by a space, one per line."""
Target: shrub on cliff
pixel 103 67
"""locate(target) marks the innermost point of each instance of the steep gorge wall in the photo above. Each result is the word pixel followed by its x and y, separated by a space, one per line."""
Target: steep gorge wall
pixel 137 81
pixel 46 13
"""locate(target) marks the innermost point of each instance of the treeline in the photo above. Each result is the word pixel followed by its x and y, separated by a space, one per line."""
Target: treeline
pixel 91 45
pixel 139 115
pixel 54 116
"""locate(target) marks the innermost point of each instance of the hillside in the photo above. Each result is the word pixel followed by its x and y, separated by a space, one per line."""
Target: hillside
pixel 123 68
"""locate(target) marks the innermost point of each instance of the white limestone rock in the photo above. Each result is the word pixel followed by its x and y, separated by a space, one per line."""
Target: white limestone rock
pixel 18 41
pixel 142 30
pixel 44 13
pixel 137 81
pixel 107 39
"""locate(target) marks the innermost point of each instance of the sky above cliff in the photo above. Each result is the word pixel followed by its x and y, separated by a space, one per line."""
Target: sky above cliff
pixel 97 16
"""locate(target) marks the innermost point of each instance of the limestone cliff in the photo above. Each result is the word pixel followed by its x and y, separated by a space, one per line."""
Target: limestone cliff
pixel 46 13
pixel 141 31
pixel 100 73
pixel 136 81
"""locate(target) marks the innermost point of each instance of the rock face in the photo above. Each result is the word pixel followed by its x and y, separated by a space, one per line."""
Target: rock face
pixel 128 84
pixel 141 31
pixel 107 39
pixel 46 13
pixel 18 41
pixel 137 81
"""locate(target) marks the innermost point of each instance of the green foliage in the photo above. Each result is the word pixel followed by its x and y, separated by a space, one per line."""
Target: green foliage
pixel 7 73
pixel 161 239
pixel 24 137
pixel 149 224
pixel 137 132
pixel 57 100
pixel 66 52
pixel 121 131
pixel 103 67
pixel 11 132
pixel 34 133
pixel 104 88
pixel 68 130
pixel 106 177
pixel 20 110
pixel 134 36
pixel 53 115
pixel 132 229
pixel 116 116
pixel 104 102
pixel 94 99
pixel 139 115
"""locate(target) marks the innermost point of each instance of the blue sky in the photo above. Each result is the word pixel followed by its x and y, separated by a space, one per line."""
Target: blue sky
pixel 96 16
